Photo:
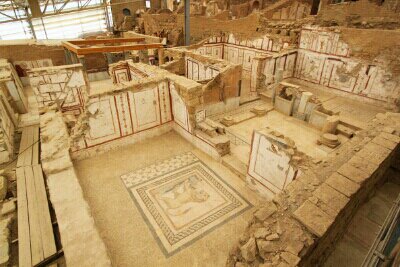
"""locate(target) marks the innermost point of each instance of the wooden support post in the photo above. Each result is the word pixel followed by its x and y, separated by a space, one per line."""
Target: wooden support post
pixel 187 22
pixel 160 56
pixel 81 59
pixel 67 56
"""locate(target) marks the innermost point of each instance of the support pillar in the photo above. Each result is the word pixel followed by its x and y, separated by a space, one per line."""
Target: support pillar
pixel 187 22
pixel 160 56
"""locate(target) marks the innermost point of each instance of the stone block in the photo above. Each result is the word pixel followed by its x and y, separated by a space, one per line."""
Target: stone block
pixel 342 184
pixel 326 208
pixel 3 187
pixel 391 137
pixel 268 246
pixel 357 175
pixel 7 207
pixel 272 237
pixel 334 199
pixel 261 232
pixel 294 247
pixel 248 250
pixel 313 218
pixel 291 259
pixel 386 143
pixel 265 212
pixel 4 253
pixel 363 165
pixel 374 153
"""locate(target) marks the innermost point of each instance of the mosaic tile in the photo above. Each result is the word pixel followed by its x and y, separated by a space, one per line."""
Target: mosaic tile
pixel 183 203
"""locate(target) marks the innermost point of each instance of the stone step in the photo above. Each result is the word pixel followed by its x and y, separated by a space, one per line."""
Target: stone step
pixel 266 96
pixel 344 130
pixel 235 165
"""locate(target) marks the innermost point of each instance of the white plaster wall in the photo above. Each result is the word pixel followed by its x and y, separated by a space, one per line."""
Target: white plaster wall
pixel 65 85
pixel 269 165
pixel 285 62
pixel 198 71
pixel 346 74
pixel 7 132
pixel 179 110
pixel 119 115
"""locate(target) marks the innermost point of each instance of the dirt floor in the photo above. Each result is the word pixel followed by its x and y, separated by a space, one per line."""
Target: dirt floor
pixel 121 223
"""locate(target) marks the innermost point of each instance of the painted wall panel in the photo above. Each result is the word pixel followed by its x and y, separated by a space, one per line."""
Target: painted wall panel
pixel 269 164
pixel 179 110
pixel 122 103
pixel 146 109
pixel 104 126
pixel 165 103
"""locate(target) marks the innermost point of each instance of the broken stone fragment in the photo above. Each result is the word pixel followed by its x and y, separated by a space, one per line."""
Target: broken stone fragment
pixel 248 250
pixel 261 232
pixel 291 259
pixel 4 241
pixel 244 238
pixel 267 246
pixel 279 228
pixel 389 130
pixel 272 237
pixel 7 207
pixel 263 213
pixel 294 247
pixel 4 253
pixel 3 187
pixel 240 264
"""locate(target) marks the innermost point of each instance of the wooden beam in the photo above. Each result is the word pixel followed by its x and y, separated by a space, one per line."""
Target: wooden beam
pixel 33 215
pixel 70 47
pixel 35 148
pixel 24 246
pixel 107 41
pixel 29 148
pixel 119 48
pixel 22 147
pixel 46 228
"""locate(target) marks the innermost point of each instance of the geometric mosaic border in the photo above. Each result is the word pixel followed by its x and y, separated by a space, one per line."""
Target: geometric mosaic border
pixel 171 242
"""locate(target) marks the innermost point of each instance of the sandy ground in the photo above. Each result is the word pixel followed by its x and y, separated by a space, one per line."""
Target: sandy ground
pixel 125 233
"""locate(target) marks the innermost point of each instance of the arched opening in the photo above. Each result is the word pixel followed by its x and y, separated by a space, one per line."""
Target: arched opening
pixel 166 59
pixel 126 12
pixel 256 5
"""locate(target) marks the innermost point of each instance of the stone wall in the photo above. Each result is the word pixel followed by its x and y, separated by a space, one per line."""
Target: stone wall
pixel 361 13
pixel 260 58
pixel 66 86
pixel 220 78
pixel 7 133
pixel 329 57
pixel 288 10
pixel 202 27
pixel 113 115
pixel 301 225
pixel 80 239
pixel 324 58
pixel 12 87
pixel 18 52
pixel 139 109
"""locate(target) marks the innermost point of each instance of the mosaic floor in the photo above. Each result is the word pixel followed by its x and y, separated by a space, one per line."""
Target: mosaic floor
pixel 181 200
